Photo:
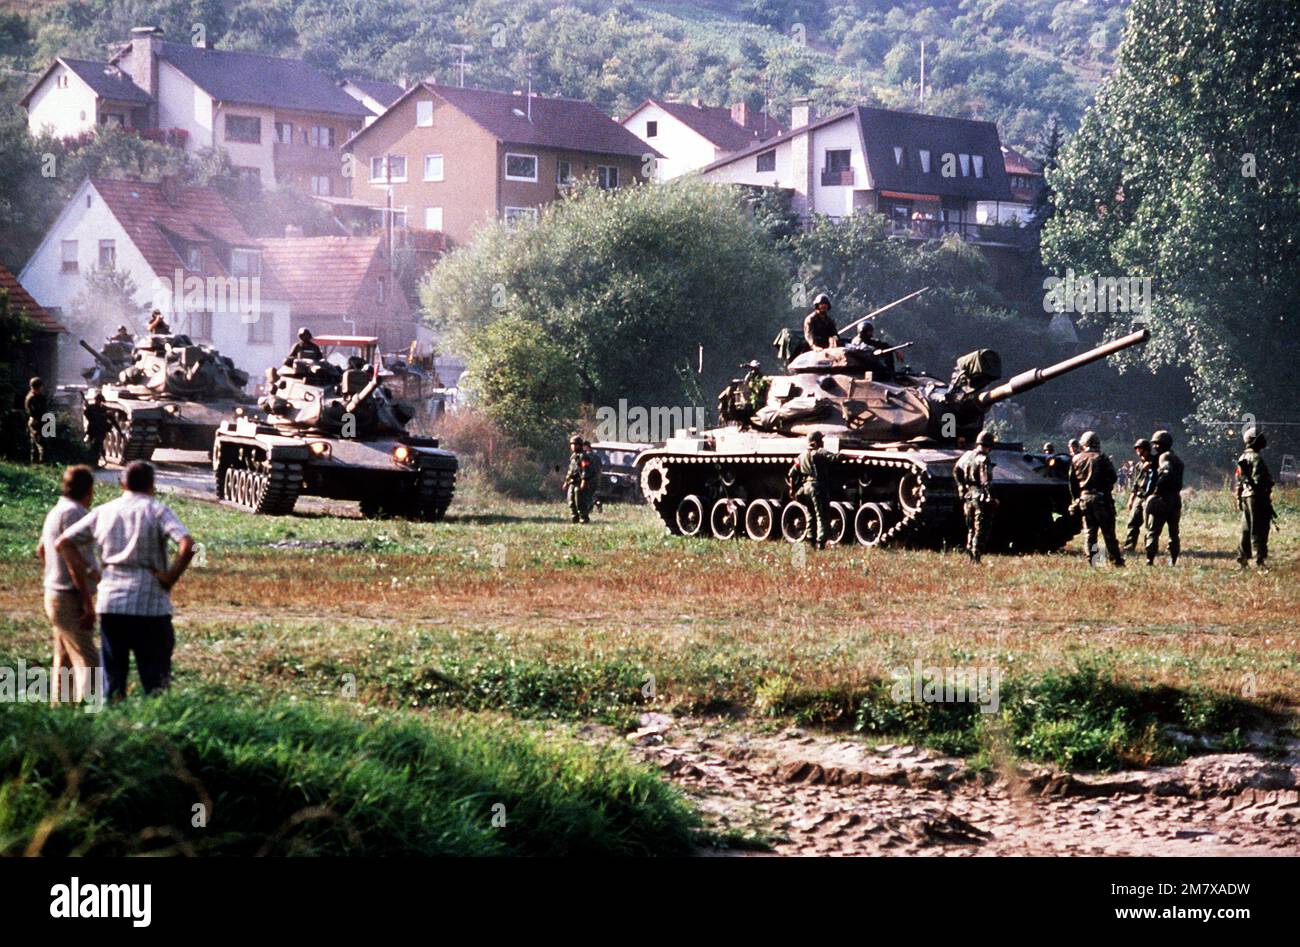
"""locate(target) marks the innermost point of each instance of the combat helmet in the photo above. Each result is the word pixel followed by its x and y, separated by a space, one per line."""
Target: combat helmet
pixel 815 438
pixel 1253 438
pixel 821 298
pixel 1162 441
pixel 985 438
pixel 1142 444
pixel 1089 440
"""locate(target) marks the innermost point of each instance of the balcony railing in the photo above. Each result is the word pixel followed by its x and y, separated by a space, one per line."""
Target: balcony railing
pixel 306 157
pixel 837 178
pixel 938 229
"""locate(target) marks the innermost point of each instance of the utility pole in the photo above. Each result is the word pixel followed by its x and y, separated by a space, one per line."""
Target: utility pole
pixel 922 73
pixel 464 48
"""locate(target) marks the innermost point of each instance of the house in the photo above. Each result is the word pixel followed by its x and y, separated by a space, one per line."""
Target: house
pixel 453 158
pixel 40 355
pixel 690 135
pixel 342 286
pixel 1025 176
pixel 374 94
pixel 928 175
pixel 281 120
pixel 185 253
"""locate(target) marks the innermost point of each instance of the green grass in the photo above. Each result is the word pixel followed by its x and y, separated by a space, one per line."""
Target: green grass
pixel 282 778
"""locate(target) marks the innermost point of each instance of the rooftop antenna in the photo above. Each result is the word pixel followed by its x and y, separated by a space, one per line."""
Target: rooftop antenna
pixel 529 97
pixel 464 48
pixel 922 73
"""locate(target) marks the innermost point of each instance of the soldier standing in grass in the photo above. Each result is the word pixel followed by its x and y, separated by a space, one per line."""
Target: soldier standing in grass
pixel 1139 488
pixel 810 478
pixel 97 423
pixel 974 475
pixel 1254 499
pixel 36 406
pixel 1092 477
pixel 580 482
pixel 1165 506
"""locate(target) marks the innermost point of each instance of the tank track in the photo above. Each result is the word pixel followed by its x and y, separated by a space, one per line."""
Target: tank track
pixel 138 441
pixel 272 490
pixel 434 491
pixel 925 523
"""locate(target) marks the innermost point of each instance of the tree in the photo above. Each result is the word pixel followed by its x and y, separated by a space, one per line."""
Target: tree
pixel 1183 171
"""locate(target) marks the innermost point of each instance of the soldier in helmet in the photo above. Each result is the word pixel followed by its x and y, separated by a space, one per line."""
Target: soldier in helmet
pixel 97 422
pixel 36 406
pixel 1139 488
pixel 1073 447
pixel 810 480
pixel 1165 505
pixel 819 329
pixel 974 475
pixel 1092 477
pixel 756 384
pixel 580 482
pixel 123 334
pixel 157 324
pixel 305 347
pixel 1254 499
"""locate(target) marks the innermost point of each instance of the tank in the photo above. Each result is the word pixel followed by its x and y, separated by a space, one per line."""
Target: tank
pixel 332 431
pixel 170 393
pixel 898 434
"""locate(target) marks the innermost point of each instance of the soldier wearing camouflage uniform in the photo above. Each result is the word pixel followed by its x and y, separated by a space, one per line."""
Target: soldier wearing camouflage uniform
pixel 810 477
pixel 819 330
pixel 1165 506
pixel 1139 488
pixel 1254 499
pixel 580 482
pixel 1092 477
pixel 36 405
pixel 974 475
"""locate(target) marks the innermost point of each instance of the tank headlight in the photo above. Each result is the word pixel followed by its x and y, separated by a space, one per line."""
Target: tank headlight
pixel 402 454
pixel 171 409
pixel 319 449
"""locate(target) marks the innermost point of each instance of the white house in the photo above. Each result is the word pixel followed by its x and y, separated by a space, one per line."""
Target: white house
pixel 186 254
pixel 75 95
pixel 927 174
pixel 690 135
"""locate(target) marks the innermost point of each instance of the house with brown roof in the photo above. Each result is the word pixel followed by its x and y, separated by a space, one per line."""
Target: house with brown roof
pixel 342 286
pixel 185 253
pixel 449 159
pixel 282 121
pixel 690 135
pixel 40 356
pixel 1025 175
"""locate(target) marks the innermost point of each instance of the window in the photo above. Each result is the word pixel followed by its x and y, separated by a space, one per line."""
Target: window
pixel 652 129
pixel 107 254
pixel 521 167
pixel 245 128
pixel 244 262
pixel 978 162
pixel 399 218
pixel 198 326
pixel 965 164
pixel 766 161
pixel 607 176
pixel 433 218
pixel 69 256
pixel 900 156
pixel 284 133
pixel 194 258
pixel 433 167
pixel 396 169
pixel 925 161
pixel 261 331
pixel 838 160
pixel 521 215
pixel 322 185
pixel 321 136
pixel 377 169
pixel 563 173
pixel 424 114
pixel 112 118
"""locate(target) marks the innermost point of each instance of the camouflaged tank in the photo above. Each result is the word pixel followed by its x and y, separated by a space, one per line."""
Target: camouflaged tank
pixel 162 391
pixel 897 433
pixel 335 432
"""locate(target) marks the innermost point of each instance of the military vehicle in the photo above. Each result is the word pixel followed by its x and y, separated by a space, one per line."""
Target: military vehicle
pixel 898 433
pixel 332 430
pixel 618 472
pixel 172 393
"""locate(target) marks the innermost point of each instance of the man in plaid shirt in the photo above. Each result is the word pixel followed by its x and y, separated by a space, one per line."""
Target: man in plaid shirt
pixel 134 604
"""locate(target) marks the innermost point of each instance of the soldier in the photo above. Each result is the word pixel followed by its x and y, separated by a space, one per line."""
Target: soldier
pixel 121 335
pixel 819 329
pixel 36 406
pixel 579 484
pixel 974 475
pixel 157 324
pixel 756 385
pixel 1165 506
pixel 305 347
pixel 96 416
pixel 1092 477
pixel 1054 462
pixel 1139 489
pixel 810 478
pixel 1254 499
pixel 1072 445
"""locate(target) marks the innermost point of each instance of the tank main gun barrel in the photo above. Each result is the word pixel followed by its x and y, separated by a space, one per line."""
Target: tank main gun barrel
pixel 95 355
pixel 356 400
pixel 1038 376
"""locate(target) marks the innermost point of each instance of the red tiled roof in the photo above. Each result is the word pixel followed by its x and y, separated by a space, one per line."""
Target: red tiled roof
pixel 1018 163
pixel 194 214
pixel 323 275
pixel 22 300
pixel 715 123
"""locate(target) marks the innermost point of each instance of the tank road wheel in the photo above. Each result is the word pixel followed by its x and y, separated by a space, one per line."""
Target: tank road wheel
pixel 432 495
pixel 794 522
pixel 114 446
pixel 761 520
pixel 728 518
pixel 272 488
pixel 837 524
pixel 910 493
pixel 690 516
pixel 869 524
pixel 654 480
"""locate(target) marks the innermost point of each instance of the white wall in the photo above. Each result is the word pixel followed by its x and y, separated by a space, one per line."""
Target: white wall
pixel 743 170
pixel 683 148
pixel 182 104
pixel 837 200
pixel 64 111
pixel 244 155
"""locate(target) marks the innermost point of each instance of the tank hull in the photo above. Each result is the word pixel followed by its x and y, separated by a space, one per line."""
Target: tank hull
pixel 140 422
pixel 730 482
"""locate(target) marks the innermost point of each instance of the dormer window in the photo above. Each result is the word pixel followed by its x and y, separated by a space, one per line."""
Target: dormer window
pixel 978 162
pixel 194 258
pixel 245 262
pixel 925 161
pixel 965 164
pixel 900 156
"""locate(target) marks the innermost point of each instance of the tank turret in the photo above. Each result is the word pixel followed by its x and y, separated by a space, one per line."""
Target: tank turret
pixel 174 366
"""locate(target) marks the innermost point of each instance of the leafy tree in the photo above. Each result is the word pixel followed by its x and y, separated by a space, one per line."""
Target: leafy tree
pixel 1184 171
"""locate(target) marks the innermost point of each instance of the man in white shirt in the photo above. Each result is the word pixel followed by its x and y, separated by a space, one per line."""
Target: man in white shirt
pixel 76 655
pixel 134 604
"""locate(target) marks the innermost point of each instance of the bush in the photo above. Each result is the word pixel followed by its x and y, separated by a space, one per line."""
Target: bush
pixel 485 450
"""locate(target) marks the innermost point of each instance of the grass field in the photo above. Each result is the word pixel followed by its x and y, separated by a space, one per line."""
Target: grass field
pixel 506 609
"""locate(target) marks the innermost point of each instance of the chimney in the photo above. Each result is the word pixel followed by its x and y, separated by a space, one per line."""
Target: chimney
pixel 740 114
pixel 802 112
pixel 141 63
